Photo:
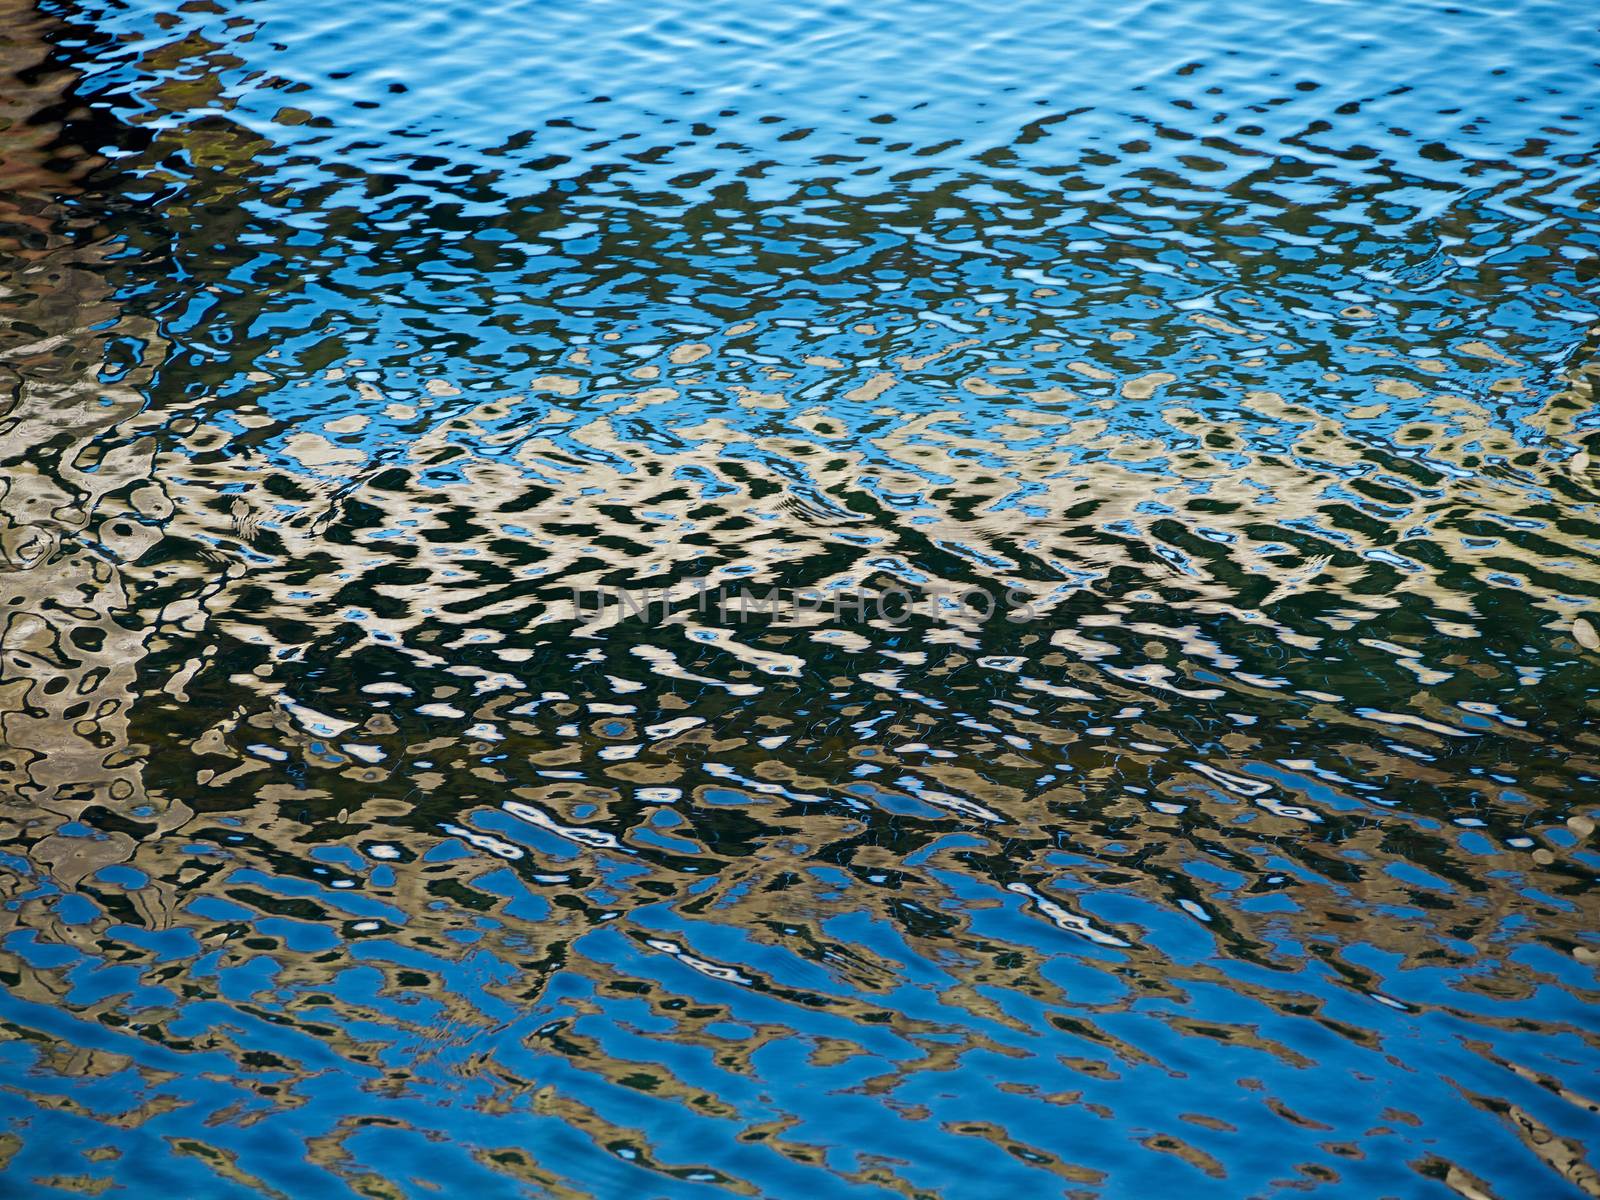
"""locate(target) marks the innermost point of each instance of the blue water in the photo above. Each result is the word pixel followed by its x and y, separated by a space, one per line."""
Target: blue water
pixel 1169 763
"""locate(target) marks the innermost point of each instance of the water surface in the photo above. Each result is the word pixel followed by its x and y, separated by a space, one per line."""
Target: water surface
pixel 1241 353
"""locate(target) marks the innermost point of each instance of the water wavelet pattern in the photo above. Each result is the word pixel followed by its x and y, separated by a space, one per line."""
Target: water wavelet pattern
pixel 901 599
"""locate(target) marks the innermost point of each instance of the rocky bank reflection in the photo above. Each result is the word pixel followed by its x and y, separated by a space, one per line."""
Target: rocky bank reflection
pixel 343 855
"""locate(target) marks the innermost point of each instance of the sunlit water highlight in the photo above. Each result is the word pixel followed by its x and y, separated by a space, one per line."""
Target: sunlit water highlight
pixel 1250 345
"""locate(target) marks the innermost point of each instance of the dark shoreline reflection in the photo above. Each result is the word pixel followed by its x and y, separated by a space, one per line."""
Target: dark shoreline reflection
pixel 342 855
pixel 78 501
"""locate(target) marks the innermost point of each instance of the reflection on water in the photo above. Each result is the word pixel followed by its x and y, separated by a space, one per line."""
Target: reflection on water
pixel 1250 345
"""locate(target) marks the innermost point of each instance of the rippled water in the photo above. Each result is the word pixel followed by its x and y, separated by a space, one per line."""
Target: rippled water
pixel 1240 355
